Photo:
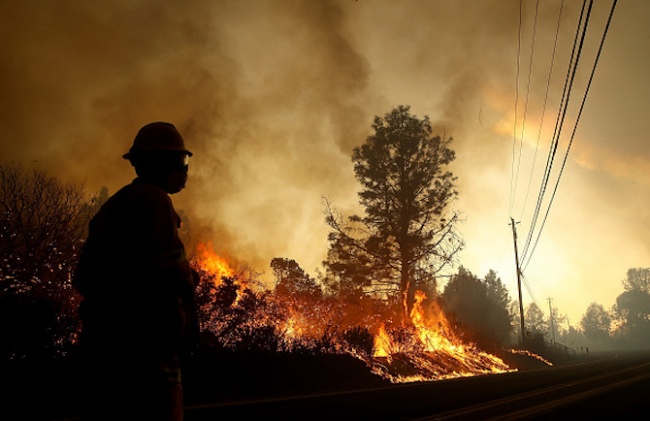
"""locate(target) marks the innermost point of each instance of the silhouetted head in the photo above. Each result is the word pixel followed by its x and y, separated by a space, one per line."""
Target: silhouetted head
pixel 159 156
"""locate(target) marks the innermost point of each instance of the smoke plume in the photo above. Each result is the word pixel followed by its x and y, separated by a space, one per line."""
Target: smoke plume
pixel 272 96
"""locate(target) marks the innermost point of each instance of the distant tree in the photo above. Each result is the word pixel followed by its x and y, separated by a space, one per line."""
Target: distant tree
pixel 291 279
pixel 42 222
pixel 632 310
pixel 407 235
pixel 637 279
pixel 479 306
pixel 596 324
pixel 573 338
pixel 497 291
pixel 535 322
pixel 634 305
pixel 513 311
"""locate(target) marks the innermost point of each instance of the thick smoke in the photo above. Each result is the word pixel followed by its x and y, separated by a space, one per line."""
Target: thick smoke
pixel 269 95
pixel 272 96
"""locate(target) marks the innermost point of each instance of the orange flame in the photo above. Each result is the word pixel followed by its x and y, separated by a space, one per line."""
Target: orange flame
pixel 531 355
pixel 434 332
pixel 213 264
pixel 424 349
pixel 436 342
pixel 383 344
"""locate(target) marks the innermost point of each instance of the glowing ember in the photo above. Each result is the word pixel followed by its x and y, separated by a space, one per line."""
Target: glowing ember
pixel 531 355
pixel 303 322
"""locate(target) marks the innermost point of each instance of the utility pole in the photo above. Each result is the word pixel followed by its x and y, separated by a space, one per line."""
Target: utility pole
pixel 550 309
pixel 521 304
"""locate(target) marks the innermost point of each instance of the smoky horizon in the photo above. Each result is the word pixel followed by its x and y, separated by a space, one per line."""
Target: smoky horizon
pixel 273 97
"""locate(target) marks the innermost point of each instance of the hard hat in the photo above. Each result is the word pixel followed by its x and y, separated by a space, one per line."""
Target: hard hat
pixel 157 137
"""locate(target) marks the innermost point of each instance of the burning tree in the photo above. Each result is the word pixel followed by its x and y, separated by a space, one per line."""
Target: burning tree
pixel 407 236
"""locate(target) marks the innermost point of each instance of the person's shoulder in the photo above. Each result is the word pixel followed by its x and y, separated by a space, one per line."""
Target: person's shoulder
pixel 146 192
pixel 145 188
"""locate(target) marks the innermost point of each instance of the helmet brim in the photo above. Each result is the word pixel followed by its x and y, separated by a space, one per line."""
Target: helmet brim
pixel 129 154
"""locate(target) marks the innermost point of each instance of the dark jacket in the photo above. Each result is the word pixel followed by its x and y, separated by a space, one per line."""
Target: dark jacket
pixel 134 275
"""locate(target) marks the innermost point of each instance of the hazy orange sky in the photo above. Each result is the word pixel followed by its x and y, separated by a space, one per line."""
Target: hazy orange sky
pixel 272 96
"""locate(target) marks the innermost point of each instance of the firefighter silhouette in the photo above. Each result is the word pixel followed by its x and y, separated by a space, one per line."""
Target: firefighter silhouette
pixel 138 310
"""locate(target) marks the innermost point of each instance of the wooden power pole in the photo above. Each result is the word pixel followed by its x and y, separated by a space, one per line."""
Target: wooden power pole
pixel 521 305
pixel 550 311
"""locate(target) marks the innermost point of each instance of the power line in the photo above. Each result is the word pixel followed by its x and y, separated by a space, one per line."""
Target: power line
pixel 514 129
pixel 574 61
pixel 529 289
pixel 555 138
pixel 575 127
pixel 535 283
pixel 564 103
pixel 541 122
pixel 530 71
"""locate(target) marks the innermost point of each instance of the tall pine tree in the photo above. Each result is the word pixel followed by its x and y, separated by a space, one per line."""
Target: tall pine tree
pixel 407 235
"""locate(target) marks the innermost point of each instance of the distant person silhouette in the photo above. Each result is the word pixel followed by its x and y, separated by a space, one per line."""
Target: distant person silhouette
pixel 138 308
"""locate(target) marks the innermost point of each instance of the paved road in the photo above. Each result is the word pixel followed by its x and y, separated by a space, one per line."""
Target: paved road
pixel 614 387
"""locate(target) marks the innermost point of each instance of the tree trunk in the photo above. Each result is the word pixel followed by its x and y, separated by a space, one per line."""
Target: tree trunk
pixel 405 286
pixel 407 289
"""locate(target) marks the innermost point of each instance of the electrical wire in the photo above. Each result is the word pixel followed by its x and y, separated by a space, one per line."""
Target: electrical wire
pixel 514 129
pixel 530 71
pixel 564 102
pixel 575 126
pixel 529 289
pixel 535 278
pixel 555 138
pixel 541 122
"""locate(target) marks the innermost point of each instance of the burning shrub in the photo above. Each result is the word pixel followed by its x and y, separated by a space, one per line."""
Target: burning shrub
pixel 259 338
pixel 360 340
pixel 238 319
pixel 288 319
